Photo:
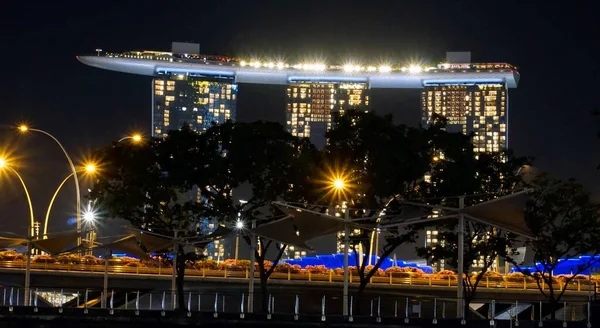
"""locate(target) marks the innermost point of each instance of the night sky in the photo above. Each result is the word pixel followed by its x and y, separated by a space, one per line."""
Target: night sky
pixel 555 47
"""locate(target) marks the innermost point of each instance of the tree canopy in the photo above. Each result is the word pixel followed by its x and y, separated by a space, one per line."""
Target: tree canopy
pixel 565 224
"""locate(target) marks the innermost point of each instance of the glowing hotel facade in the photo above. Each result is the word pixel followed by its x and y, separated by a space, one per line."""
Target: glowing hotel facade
pixel 199 90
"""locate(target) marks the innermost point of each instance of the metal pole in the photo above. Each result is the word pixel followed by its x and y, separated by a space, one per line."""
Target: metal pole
pixel 251 278
pixel 28 270
pixel 461 254
pixel 237 245
pixel 174 273
pixel 346 249
pixel 105 283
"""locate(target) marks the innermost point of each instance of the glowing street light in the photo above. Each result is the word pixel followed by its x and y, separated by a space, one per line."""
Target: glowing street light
pixel 415 69
pixel 23 128
pixel 5 165
pixel 339 184
pixel 239 225
pixel 135 138
pixel 385 69
pixel 89 168
pixel 89 216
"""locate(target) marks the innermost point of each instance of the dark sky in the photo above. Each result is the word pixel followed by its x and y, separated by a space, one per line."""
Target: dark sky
pixel 555 47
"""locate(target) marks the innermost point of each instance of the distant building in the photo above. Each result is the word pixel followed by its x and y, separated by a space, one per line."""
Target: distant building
pixel 311 105
pixel 198 103
pixel 474 107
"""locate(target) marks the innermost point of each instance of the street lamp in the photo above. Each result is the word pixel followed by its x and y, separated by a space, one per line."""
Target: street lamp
pixel 25 129
pixel 338 187
pixel 89 216
pixel 89 219
pixel 5 165
pixel 239 226
pixel 89 168
pixel 339 184
pixel 135 138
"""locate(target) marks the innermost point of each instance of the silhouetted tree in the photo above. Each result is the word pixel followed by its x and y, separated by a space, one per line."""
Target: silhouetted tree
pixel 150 185
pixel 565 224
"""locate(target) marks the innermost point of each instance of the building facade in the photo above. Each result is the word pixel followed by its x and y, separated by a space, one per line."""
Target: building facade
pixel 481 109
pixel 179 100
pixel 198 103
pixel 310 106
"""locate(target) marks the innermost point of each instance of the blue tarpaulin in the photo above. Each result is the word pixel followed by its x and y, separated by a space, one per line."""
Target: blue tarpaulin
pixel 334 261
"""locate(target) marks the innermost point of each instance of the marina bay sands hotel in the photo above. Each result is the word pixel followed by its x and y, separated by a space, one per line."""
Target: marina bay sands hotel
pixel 195 89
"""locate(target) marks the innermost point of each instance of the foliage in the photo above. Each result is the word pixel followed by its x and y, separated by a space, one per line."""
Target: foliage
pixel 286 267
pixel 445 275
pixel 9 255
pixel 483 178
pixel 69 259
pixel 206 264
pixel 405 272
pixel 518 277
pixel 565 224
pixel 43 259
pixel 90 260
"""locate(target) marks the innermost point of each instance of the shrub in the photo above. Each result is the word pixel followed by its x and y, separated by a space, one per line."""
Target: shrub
pixel 43 259
pixel 538 275
pixel 285 267
pixel 231 265
pixel 316 269
pixel 518 277
pixel 338 271
pixel 206 264
pixel 445 275
pixel 91 260
pixel 8 255
pixel 379 272
pixel 489 275
pixel 20 257
pixel 133 264
pixel 563 278
pixel 405 272
pixel 69 259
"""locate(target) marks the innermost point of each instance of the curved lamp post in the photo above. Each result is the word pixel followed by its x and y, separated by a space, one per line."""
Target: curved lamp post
pixel 24 129
pixel 339 186
pixel 89 168
pixel 135 138
pixel 6 166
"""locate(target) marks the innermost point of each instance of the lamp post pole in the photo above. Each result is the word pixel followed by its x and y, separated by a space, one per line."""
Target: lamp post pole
pixel 31 232
pixel 346 249
pixel 461 259
pixel 107 256
pixel 237 245
pixel 174 274
pixel 24 128
pixel 252 260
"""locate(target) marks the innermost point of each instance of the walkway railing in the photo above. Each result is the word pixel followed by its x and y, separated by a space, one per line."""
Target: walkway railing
pixel 524 283
pixel 326 307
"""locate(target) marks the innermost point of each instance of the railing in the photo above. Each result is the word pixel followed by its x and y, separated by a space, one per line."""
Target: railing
pixel 525 283
pixel 325 307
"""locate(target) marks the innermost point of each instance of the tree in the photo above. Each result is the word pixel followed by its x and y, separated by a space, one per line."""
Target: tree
pixel 565 224
pixel 381 162
pixel 150 186
pixel 277 166
pixel 481 178
pixel 482 245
